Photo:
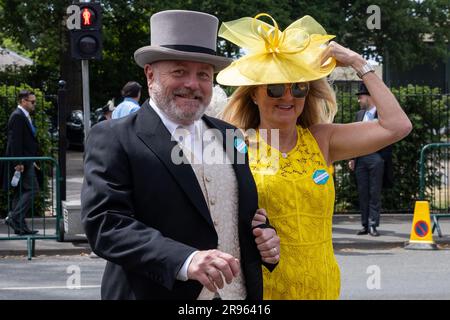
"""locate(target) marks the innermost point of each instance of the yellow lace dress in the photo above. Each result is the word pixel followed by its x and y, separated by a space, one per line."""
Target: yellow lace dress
pixel 297 191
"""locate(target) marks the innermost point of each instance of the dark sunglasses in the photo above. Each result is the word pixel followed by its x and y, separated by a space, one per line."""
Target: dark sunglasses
pixel 298 90
pixel 31 101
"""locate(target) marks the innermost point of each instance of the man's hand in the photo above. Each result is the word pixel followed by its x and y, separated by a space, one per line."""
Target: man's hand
pixel 266 239
pixel 209 266
pixel 351 165
pixel 19 167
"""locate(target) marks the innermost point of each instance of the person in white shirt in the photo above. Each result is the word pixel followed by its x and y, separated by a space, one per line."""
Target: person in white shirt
pixel 131 92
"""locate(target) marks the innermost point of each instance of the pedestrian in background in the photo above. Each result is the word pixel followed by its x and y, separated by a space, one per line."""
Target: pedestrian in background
pixel 372 171
pixel 22 142
pixel 107 111
pixel 218 102
pixel 131 92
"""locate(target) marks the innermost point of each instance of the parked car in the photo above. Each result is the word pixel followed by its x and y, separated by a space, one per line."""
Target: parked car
pixel 75 127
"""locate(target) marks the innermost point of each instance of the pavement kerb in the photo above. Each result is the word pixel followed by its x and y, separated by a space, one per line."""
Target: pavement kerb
pixel 342 242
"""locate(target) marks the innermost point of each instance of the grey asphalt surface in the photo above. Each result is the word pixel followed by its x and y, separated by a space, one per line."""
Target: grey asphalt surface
pixel 74 175
pixel 403 274
pixel 366 274
pixel 76 277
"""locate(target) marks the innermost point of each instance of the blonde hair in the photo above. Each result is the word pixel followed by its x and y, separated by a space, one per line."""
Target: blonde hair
pixel 320 106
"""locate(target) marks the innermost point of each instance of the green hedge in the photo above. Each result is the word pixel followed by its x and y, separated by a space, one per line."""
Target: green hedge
pixel 8 102
pixel 428 111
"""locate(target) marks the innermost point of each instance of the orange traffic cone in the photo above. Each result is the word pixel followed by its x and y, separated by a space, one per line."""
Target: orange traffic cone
pixel 421 236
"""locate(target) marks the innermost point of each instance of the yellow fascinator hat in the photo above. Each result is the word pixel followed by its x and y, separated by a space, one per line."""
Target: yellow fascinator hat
pixel 274 56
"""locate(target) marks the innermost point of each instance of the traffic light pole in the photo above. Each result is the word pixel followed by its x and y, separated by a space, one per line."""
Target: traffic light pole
pixel 86 103
pixel 62 115
pixel 84 21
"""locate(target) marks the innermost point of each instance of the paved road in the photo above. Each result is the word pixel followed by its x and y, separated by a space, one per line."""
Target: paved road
pixel 48 278
pixel 74 179
pixel 403 274
pixel 366 274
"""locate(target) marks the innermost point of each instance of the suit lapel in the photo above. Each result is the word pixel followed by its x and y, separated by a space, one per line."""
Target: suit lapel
pixel 360 115
pixel 157 138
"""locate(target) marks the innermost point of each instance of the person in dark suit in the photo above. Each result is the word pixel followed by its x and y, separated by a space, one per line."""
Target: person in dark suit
pixel 372 171
pixel 171 229
pixel 21 142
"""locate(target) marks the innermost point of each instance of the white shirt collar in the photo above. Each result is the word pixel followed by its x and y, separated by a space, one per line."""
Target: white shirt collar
pixel 194 128
pixel 372 110
pixel 27 114
pixel 193 142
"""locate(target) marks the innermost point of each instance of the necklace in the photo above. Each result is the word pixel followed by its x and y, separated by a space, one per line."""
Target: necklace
pixel 285 154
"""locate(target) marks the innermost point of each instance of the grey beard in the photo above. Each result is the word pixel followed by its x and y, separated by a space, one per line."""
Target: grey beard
pixel 167 105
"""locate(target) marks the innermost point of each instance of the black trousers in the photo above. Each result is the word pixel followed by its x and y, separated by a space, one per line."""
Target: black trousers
pixel 369 178
pixel 24 194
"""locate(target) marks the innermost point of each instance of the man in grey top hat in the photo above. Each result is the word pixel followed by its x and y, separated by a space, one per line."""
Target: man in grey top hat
pixel 171 229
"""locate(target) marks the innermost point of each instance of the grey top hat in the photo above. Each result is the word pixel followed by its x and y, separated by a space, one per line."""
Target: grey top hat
pixel 182 35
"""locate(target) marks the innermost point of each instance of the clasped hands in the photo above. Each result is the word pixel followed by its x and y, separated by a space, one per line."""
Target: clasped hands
pixel 212 267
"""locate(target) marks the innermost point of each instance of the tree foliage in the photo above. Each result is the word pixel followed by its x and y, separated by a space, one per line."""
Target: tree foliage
pixel 36 26
pixel 39 26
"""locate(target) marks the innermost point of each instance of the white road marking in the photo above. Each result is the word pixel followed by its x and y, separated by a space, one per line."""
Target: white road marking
pixel 54 287
pixel 75 180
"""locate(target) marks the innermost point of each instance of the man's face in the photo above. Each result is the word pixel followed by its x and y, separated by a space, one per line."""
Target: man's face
pixel 364 101
pixel 181 89
pixel 29 103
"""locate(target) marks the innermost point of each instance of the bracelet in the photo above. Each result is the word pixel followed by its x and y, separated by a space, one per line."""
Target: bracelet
pixel 366 68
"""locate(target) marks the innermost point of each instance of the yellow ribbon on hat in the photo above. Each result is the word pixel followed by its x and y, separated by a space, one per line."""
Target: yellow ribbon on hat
pixel 274 56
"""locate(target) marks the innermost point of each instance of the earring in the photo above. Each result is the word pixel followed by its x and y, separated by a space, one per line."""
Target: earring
pixel 254 101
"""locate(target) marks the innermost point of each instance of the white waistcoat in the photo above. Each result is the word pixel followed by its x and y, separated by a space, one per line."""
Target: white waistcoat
pixel 220 190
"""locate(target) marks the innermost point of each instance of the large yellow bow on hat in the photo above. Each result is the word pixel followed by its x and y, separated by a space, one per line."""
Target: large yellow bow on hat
pixel 274 56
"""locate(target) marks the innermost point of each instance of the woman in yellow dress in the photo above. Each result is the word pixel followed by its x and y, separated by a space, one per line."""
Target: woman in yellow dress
pixel 286 107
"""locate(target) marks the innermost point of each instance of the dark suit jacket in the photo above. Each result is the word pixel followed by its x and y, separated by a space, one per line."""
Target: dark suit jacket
pixel 146 215
pixel 21 143
pixel 385 153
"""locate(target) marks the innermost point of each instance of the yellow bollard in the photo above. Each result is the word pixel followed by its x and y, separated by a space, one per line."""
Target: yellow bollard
pixel 421 236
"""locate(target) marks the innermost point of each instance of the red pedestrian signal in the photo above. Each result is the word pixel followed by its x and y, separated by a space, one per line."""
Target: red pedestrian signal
pixel 86 42
pixel 87 17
